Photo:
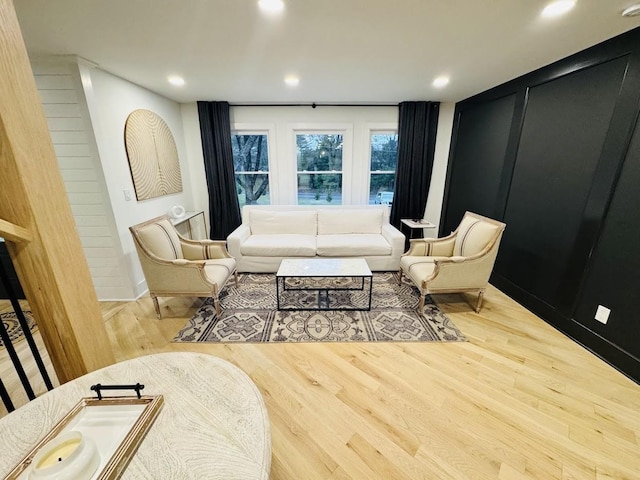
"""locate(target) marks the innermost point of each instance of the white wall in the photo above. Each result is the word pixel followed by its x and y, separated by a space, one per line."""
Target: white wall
pixel 59 85
pixel 110 100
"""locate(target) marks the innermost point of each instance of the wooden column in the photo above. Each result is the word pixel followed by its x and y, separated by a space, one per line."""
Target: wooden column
pixel 51 266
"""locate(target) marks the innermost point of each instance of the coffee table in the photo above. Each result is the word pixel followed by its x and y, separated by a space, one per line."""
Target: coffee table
pixel 326 276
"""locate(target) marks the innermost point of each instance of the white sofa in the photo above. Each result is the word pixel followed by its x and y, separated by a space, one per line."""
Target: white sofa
pixel 270 233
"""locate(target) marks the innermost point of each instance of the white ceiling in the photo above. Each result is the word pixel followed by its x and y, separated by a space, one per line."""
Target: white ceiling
pixel 345 51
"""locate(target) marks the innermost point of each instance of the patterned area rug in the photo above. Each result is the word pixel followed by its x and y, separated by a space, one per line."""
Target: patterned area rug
pixel 13 328
pixel 249 315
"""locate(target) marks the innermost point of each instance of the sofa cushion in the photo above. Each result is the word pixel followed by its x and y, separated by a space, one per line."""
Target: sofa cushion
pixel 332 222
pixel 286 245
pixel 264 222
pixel 352 245
pixel 473 236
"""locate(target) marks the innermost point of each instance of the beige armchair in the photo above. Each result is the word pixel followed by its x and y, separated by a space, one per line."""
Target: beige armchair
pixel 460 262
pixel 176 266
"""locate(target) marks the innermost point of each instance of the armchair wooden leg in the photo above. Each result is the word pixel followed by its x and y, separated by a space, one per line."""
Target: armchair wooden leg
pixel 421 304
pixel 479 302
pixel 156 305
pixel 400 277
pixel 216 303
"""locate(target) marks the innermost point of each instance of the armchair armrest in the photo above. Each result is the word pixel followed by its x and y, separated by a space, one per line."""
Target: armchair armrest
pixel 461 272
pixel 203 249
pixel 432 247
pixel 180 275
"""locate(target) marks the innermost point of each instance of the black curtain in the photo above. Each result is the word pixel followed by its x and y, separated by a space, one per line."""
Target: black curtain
pixel 215 132
pixel 417 126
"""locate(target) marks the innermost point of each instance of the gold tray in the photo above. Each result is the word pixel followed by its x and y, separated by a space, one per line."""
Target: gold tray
pixel 116 424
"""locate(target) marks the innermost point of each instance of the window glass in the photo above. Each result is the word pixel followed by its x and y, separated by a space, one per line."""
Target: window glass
pixel 251 167
pixel 319 161
pixel 384 159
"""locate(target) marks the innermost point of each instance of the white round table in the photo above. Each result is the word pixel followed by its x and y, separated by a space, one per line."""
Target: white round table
pixel 213 424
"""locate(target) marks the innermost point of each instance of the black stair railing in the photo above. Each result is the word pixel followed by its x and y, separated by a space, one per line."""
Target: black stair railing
pixel 8 344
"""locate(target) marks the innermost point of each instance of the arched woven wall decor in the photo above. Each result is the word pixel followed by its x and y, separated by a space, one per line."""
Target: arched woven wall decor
pixel 152 154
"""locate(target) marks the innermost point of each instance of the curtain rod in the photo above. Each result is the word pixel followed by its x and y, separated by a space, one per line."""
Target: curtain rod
pixel 313 105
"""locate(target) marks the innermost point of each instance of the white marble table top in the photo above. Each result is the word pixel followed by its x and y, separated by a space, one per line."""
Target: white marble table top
pixel 213 424
pixel 323 267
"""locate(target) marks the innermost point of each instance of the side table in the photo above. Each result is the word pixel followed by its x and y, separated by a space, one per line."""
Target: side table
pixel 185 221
pixel 424 228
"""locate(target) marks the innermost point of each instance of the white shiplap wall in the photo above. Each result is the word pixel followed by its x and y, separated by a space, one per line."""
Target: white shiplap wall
pixel 60 88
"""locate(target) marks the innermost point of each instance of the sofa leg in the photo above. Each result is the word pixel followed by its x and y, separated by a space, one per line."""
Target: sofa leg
pixel 235 277
pixel 400 277
pixel 156 305
pixel 479 301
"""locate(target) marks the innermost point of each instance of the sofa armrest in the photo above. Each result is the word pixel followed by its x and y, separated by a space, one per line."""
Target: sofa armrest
pixel 236 239
pixel 394 236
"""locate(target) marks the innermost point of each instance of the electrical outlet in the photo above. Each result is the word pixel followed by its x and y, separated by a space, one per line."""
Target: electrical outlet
pixel 602 314
pixel 127 194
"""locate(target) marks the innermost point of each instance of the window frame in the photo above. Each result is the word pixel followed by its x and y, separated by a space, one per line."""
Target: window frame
pixel 269 131
pixel 346 130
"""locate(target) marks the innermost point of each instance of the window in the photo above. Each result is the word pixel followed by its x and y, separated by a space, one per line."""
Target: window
pixel 319 160
pixel 251 167
pixel 384 159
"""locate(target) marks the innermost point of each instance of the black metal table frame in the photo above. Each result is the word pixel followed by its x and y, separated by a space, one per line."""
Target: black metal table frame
pixel 320 290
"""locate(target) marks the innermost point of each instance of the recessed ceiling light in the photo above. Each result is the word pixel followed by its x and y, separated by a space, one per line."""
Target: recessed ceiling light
pixel 292 80
pixel 557 8
pixel 440 82
pixel 631 11
pixel 271 6
pixel 176 80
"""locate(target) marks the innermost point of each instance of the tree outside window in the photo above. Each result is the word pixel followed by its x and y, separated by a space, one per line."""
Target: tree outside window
pixel 251 168
pixel 319 162
pixel 384 160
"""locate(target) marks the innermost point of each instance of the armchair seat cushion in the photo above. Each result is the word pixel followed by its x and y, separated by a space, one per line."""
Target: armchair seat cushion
pixel 284 245
pixel 418 267
pixel 219 270
pixel 352 245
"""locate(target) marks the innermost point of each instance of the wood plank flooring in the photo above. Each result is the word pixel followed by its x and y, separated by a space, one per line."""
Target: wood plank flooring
pixel 517 401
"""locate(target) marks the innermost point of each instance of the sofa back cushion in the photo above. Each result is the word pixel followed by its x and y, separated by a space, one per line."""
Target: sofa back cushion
pixel 473 236
pixel 338 222
pixel 269 222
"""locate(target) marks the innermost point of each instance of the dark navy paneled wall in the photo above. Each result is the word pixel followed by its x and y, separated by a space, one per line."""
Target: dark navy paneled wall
pixel 555 154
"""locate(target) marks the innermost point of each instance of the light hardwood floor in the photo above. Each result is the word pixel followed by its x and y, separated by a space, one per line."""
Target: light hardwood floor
pixel 517 401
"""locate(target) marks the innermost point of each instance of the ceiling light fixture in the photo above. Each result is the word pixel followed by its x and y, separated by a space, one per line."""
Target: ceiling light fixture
pixel 557 8
pixel 440 82
pixel 176 80
pixel 631 11
pixel 292 80
pixel 271 6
